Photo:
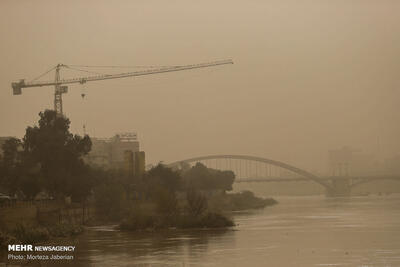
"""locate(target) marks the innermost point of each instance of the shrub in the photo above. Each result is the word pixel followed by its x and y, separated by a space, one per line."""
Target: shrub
pixel 209 220
pixel 215 220
pixel 142 221
pixel 247 200
pixel 166 201
pixel 134 223
pixel 196 203
pixel 65 230
pixel 139 219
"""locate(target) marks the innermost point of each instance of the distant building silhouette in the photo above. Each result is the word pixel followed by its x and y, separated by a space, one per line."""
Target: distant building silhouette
pixel 117 152
pixel 350 162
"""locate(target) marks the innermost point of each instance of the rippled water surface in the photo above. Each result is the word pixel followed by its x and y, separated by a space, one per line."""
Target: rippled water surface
pixel 305 231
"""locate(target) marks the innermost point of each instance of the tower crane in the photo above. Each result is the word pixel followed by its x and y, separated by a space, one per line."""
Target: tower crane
pixel 61 88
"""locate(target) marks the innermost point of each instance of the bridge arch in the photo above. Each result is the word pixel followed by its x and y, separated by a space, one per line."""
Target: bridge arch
pixel 280 164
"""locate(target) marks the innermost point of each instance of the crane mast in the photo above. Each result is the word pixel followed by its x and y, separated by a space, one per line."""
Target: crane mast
pixel 57 92
pixel 60 88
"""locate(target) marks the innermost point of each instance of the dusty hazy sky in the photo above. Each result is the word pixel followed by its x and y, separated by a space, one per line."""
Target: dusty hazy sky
pixel 309 76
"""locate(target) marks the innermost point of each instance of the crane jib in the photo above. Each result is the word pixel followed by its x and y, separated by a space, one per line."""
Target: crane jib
pixel 17 86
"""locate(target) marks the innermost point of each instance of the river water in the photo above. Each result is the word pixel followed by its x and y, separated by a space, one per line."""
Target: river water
pixel 301 231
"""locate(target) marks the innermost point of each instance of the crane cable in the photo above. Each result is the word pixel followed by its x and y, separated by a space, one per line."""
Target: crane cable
pixel 66 66
pixel 41 75
pixel 83 95
pixel 126 67
pixel 91 72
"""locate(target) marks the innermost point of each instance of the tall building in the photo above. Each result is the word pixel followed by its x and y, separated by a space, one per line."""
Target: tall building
pixel 115 152
pixel 139 163
pixel 100 153
pixel 134 163
pixel 129 163
pixel 120 143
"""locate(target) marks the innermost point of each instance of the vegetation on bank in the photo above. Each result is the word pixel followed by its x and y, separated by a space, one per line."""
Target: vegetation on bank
pixel 202 202
pixel 198 211
pixel 150 223
pixel 163 198
pixel 193 214
pixel 240 201
pixel 218 183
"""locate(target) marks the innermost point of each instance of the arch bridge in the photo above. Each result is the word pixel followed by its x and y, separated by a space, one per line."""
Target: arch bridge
pixel 259 169
pixel 253 169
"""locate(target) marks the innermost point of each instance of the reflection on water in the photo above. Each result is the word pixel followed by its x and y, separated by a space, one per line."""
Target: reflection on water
pixel 306 231
pixel 104 246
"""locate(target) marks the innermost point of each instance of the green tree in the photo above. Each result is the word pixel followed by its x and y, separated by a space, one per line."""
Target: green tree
pixel 10 152
pixel 9 163
pixel 164 177
pixel 200 177
pixel 59 155
pixel 30 184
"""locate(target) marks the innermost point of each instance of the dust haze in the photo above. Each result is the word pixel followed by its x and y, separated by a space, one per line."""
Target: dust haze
pixel 308 77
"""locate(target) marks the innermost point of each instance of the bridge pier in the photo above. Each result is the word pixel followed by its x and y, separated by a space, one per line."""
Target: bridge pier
pixel 340 187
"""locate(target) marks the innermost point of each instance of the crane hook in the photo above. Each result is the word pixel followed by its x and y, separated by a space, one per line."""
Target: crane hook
pixel 83 91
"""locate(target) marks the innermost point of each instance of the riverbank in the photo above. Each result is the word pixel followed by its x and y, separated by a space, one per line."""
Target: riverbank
pixel 152 223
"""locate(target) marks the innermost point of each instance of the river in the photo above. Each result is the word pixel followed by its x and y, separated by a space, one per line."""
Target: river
pixel 300 231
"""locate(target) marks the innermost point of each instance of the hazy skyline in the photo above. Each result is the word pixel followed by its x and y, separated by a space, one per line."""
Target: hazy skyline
pixel 309 76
